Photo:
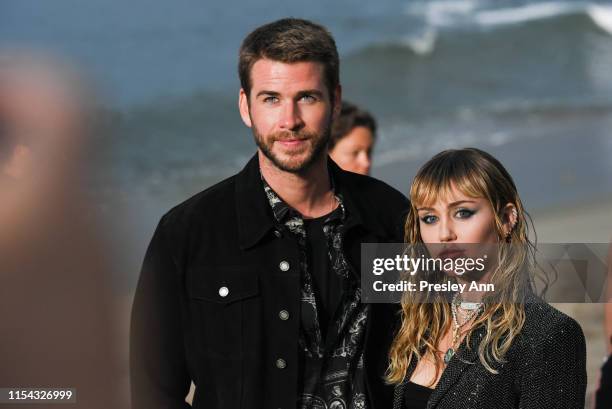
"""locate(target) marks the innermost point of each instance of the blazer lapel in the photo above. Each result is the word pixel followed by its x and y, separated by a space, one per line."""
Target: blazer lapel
pixel 462 360
pixel 400 389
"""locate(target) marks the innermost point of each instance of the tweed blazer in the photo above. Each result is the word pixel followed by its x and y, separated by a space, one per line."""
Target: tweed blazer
pixel 544 368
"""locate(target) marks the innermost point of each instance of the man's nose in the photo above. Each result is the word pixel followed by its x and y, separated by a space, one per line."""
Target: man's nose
pixel 290 117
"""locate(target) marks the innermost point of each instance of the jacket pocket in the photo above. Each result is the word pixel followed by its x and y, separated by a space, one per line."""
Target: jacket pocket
pixel 221 299
pixel 223 285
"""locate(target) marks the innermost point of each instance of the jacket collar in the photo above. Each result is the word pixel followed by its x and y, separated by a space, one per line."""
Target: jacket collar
pixel 253 212
pixel 255 217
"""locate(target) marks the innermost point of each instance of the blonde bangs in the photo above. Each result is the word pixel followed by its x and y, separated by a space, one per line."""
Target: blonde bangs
pixel 427 189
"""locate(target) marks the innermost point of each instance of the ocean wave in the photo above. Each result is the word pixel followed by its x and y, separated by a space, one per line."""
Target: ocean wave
pixel 422 44
pixel 465 13
pixel 446 20
pixel 442 12
pixel 522 14
pixel 602 16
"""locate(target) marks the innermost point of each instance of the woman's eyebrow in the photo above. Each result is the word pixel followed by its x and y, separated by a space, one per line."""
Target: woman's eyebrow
pixel 458 202
pixel 453 204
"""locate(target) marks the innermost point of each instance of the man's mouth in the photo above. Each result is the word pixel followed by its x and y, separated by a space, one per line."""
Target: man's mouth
pixel 291 142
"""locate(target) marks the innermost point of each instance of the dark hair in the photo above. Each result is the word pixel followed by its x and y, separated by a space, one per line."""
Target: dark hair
pixel 290 40
pixel 351 116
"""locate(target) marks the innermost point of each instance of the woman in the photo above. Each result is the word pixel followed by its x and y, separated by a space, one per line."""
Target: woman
pixel 352 139
pixel 503 349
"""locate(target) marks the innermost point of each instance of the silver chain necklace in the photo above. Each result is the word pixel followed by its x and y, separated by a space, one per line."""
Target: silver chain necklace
pixel 474 309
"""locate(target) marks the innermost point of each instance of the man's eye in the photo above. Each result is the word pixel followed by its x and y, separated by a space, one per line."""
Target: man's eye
pixel 308 98
pixel 270 100
pixel 429 219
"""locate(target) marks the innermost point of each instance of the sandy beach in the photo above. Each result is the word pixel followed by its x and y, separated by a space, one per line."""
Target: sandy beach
pixel 588 222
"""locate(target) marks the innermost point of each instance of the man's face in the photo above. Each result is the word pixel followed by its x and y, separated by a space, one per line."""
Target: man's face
pixel 290 112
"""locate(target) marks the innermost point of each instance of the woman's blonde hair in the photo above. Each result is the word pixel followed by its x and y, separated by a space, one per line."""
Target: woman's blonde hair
pixel 476 174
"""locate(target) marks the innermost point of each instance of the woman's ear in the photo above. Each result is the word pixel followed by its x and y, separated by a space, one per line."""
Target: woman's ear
pixel 509 219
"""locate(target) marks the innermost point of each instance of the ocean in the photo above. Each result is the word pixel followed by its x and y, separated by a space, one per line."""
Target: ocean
pixel 529 81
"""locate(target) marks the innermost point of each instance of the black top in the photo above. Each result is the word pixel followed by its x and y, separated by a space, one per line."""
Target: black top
pixel 332 317
pixel 327 285
pixel 416 396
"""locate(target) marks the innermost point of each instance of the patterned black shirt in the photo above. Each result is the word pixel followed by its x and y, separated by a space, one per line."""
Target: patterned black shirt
pixel 332 369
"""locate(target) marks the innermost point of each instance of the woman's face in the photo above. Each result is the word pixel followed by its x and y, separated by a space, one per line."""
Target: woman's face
pixel 354 151
pixel 458 219
pixel 460 227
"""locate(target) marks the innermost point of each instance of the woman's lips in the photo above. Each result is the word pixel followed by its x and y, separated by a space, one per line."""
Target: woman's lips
pixel 451 253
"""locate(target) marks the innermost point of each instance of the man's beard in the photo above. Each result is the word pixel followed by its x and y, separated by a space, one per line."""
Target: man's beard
pixel 316 150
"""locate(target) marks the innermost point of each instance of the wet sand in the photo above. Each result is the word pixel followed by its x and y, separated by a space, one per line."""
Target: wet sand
pixel 587 222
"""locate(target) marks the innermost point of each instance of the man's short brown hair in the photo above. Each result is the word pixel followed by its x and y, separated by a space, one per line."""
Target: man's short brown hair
pixel 290 40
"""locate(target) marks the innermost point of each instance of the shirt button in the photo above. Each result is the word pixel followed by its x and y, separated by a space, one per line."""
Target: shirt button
pixel 223 291
pixel 284 265
pixel 281 364
pixel 277 233
pixel 283 315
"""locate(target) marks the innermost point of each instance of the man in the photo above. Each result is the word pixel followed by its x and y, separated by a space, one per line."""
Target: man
pixel 352 139
pixel 250 289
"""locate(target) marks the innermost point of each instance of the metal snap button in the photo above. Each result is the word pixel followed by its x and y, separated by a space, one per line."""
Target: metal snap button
pixel 283 315
pixel 281 364
pixel 223 291
pixel 284 265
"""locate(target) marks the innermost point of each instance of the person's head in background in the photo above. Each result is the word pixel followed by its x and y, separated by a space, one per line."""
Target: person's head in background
pixel 44 115
pixel 352 139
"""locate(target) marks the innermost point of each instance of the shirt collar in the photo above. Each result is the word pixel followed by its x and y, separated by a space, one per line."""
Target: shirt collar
pixel 254 214
pixel 282 211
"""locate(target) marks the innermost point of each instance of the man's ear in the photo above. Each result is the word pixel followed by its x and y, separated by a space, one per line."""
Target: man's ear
pixel 337 101
pixel 243 106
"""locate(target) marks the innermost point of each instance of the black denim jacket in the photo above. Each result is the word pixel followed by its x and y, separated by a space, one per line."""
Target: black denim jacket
pixel 218 299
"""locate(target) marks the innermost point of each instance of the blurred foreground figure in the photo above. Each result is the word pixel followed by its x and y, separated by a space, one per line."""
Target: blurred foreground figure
pixel 56 327
pixel 603 395
pixel 352 139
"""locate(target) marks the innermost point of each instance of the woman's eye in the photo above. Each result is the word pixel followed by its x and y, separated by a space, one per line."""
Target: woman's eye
pixel 464 213
pixel 429 219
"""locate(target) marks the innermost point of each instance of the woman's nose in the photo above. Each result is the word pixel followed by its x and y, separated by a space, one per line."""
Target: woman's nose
pixel 364 161
pixel 446 231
